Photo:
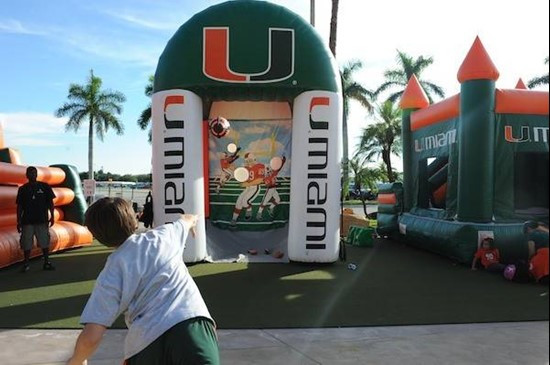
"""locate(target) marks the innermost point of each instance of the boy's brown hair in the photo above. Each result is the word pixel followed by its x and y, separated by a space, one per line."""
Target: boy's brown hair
pixel 111 221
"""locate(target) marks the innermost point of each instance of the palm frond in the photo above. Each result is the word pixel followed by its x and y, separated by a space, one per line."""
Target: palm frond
pixel 538 81
pixel 385 86
pixel 430 87
pixel 144 117
pixel 395 96
pixel 149 86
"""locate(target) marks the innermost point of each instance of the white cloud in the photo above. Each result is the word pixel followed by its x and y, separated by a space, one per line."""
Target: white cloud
pixel 104 45
pixel 165 24
pixel 16 27
pixel 117 49
pixel 32 129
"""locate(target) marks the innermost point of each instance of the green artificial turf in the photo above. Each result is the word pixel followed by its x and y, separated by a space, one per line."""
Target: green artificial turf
pixel 392 285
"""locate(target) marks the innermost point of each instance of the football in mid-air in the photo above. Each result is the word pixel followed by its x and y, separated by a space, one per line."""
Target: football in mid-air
pixel 219 127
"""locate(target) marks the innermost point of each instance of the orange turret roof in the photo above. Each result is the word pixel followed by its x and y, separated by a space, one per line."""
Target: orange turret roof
pixel 414 96
pixel 521 85
pixel 477 65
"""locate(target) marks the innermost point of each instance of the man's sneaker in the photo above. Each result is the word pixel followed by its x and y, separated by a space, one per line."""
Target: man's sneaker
pixel 48 266
pixel 25 268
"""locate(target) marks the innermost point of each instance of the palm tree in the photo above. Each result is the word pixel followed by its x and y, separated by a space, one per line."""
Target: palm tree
pixel 382 138
pixel 351 90
pixel 145 116
pixel 99 107
pixel 333 27
pixel 539 81
pixel 399 77
pixel 365 175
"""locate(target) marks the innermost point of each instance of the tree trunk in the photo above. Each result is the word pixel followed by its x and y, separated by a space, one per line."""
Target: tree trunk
pixel 333 26
pixel 312 12
pixel 345 157
pixel 387 160
pixel 91 149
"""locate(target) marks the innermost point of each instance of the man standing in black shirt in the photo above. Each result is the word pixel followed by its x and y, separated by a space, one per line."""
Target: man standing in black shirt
pixel 34 201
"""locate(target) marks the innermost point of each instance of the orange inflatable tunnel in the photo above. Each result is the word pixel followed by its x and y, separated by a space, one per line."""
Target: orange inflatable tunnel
pixel 8 195
pixel 63 235
pixel 8 217
pixel 17 174
pixel 69 202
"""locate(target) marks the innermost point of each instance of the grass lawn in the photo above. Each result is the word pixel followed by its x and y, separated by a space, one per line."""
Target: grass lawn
pixel 393 285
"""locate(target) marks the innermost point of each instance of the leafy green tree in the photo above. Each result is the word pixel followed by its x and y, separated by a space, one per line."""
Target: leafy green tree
pixel 399 77
pixel 382 139
pixel 145 116
pixel 539 81
pixel 351 90
pixel 89 103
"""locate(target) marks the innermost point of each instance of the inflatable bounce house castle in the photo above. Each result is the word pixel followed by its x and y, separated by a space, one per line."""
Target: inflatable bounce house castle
pixel 475 165
pixel 247 116
pixel 67 232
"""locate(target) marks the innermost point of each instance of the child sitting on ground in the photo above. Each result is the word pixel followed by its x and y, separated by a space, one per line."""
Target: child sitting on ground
pixel 489 256
pixel 537 246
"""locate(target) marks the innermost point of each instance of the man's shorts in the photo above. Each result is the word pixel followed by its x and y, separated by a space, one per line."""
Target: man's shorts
pixel 193 341
pixel 40 231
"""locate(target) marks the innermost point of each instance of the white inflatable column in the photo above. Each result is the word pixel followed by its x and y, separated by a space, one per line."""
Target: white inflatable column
pixel 178 185
pixel 314 224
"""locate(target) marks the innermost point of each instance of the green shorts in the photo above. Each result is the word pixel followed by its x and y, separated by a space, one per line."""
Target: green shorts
pixel 192 341
pixel 29 231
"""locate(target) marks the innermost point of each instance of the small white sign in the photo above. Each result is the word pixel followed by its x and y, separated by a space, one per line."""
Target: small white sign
pixel 88 186
pixel 403 229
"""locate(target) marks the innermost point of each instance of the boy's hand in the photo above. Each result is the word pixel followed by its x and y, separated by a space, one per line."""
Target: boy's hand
pixel 192 220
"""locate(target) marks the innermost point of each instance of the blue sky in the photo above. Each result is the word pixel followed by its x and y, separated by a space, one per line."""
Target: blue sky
pixel 46 45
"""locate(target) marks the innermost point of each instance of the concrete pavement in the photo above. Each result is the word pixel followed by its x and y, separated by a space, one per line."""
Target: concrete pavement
pixel 523 343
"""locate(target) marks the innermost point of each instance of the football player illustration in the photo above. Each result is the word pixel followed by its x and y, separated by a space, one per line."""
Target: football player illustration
pixel 256 174
pixel 227 166
pixel 271 197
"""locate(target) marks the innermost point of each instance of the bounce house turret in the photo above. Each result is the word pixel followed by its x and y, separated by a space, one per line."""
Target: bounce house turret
pixel 476 139
pixel 475 164
pixel 413 98
pixel 521 85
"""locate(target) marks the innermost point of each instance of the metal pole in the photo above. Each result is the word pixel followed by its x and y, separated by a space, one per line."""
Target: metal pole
pixel 312 12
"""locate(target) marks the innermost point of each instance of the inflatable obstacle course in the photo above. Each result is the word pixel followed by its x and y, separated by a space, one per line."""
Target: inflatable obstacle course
pixel 67 232
pixel 474 164
pixel 265 71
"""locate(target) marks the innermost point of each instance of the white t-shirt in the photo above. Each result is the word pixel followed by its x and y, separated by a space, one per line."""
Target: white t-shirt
pixel 146 279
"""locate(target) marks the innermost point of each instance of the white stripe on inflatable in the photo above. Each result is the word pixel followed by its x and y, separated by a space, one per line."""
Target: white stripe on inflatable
pixel 314 222
pixel 178 182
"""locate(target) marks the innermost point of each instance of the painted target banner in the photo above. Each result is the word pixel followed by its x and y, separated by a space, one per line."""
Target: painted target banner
pixel 249 184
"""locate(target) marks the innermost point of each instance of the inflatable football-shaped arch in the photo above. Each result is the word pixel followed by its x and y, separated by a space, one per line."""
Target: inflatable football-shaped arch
pixel 266 71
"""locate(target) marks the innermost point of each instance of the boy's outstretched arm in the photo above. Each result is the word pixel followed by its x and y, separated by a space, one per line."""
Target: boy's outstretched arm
pixel 87 343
